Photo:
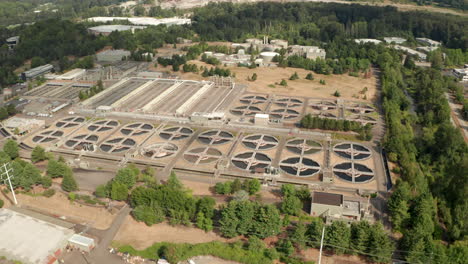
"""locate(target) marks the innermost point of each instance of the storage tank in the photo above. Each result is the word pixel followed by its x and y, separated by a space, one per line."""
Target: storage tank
pixel 268 56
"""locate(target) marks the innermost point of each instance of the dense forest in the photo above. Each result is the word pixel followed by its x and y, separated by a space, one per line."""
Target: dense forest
pixel 459 4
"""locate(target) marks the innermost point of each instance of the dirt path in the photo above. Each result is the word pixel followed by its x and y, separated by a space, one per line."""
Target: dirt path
pixel 59 206
pixel 141 236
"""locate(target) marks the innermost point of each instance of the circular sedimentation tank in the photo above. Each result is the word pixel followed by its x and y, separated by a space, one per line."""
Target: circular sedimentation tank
pixel 300 166
pixel 253 99
pixel 251 160
pixel 70 122
pixel 352 151
pixel 117 145
pixel 215 137
pixel 245 110
pixel 284 113
pixel 83 142
pixel 260 142
pixel 136 129
pixel 268 56
pixel 303 146
pixel 159 150
pixel 202 155
pixel 353 172
pixel 48 136
pixel 288 102
pixel 176 133
pixel 103 125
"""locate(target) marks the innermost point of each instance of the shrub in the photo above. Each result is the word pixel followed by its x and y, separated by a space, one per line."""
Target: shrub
pixel 1 203
pixel 336 94
pixel 72 196
pixel 49 193
pixel 283 83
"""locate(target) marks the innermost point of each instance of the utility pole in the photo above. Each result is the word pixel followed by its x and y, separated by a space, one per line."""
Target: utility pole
pixel 5 176
pixel 321 246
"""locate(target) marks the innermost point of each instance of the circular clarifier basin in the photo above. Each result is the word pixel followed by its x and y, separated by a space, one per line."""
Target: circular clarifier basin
pixel 260 142
pixel 353 172
pixel 176 133
pixel 352 151
pixel 303 146
pixel 251 160
pixel 300 166
pixel 215 137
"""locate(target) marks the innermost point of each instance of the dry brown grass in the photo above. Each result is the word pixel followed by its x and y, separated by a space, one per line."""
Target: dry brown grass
pixel 141 236
pixel 349 87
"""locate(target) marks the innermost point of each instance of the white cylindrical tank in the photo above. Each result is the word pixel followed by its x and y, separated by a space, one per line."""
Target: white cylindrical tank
pixel 208 53
pixel 268 56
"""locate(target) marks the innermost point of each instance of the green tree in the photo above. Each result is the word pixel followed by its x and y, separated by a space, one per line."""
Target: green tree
pixel 256 244
pixel 291 205
pixel 294 77
pixel 46 181
pixel 38 154
pixel 288 189
pixel 236 186
pixel 241 195
pixel 286 247
pixel 57 169
pixel 11 148
pixel 174 182
pixel 203 222
pixel 314 232
pixel 310 77
pixel 252 186
pixel 267 221
pixel 119 191
pixel 299 234
pixel 37 61
pixel 150 215
pixel 338 234
pixel 283 83
pixel 126 176
pixel 102 191
pixel 68 182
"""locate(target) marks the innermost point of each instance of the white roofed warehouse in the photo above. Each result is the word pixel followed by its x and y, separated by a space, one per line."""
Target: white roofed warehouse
pixel 30 240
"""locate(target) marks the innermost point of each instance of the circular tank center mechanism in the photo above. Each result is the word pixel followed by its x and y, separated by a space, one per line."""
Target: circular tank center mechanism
pixel 288 102
pixel 260 142
pixel 253 99
pixel 215 137
pixel 300 166
pixel 159 150
pixel 82 142
pixel 202 155
pixel 117 145
pixel 284 113
pixel 70 122
pixel 103 125
pixel 250 161
pixel 303 146
pixel 323 105
pixel 352 151
pixel 136 129
pixel 176 133
pixel 353 172
pixel 245 110
pixel 48 136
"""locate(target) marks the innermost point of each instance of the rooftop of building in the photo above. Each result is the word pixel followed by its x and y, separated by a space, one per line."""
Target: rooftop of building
pixel 30 240
pixel 111 28
pixel 145 20
pixel 327 198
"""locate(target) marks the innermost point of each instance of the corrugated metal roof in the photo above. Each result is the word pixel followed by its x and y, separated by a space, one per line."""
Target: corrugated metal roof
pixel 327 198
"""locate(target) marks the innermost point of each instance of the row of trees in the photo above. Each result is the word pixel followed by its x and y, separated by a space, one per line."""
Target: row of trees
pixel 85 94
pixel 314 122
pixel 251 186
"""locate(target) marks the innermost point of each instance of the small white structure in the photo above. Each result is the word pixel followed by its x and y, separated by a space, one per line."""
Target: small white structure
pixel 24 125
pixel 145 21
pixel 429 42
pixel 262 119
pixel 395 40
pixel 366 40
pixel 12 42
pixel 268 56
pixel 81 242
pixel 461 74
pixel 74 74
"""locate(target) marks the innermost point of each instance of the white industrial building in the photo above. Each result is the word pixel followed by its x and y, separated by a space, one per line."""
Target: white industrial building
pixel 427 49
pixel 336 207
pixel 429 42
pixel 395 40
pixel 421 56
pixel 107 29
pixel 30 240
pixel 112 55
pixel 366 40
pixel 12 42
pixel 73 75
pixel 309 52
pixel 145 21
pixel 23 125
pixel 36 72
pixel 461 74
